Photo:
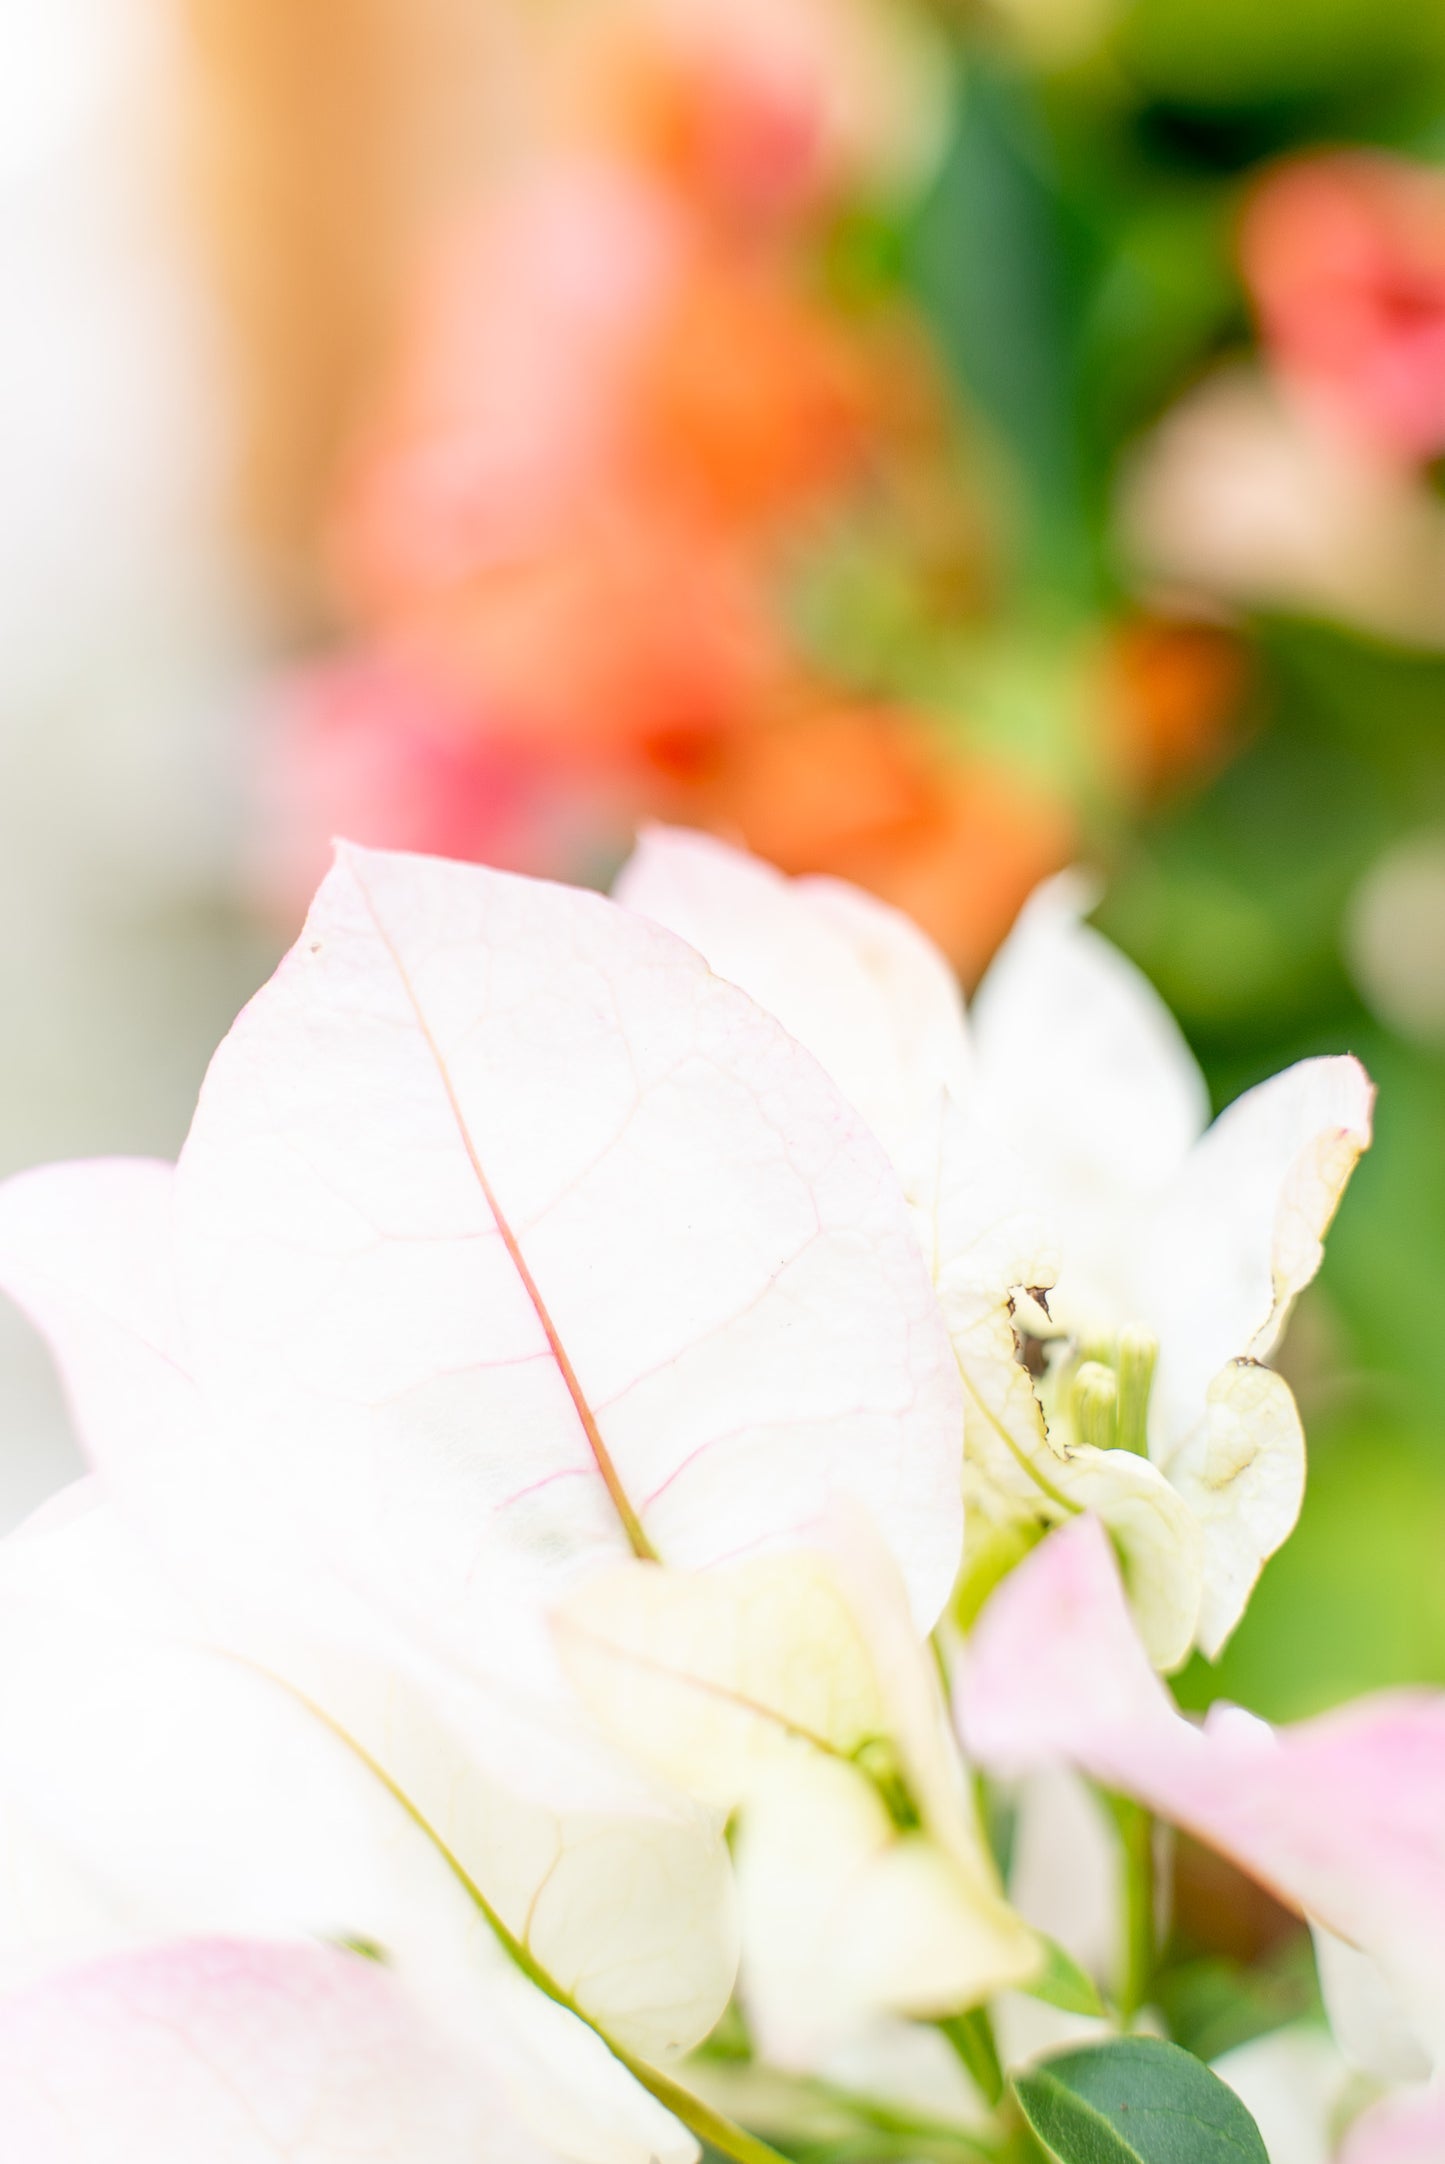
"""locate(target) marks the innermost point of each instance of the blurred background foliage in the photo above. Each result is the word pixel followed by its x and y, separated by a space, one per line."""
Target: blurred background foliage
pixel 1078 257
pixel 1097 278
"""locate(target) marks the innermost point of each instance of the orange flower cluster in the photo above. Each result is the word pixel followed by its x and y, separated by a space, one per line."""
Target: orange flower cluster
pixel 620 409
pixel 605 416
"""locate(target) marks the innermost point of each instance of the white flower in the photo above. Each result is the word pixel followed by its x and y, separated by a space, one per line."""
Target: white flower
pixel 507 1242
pixel 796 1687
pixel 1170 1235
pixel 1063 1148
pixel 161 1779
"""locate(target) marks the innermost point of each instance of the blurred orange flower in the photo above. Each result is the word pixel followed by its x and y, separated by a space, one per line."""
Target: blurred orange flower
pixel 748 398
pixel 632 640
pixel 864 793
pixel 599 413
pixel 1172 696
pixel 618 411
pixel 1344 254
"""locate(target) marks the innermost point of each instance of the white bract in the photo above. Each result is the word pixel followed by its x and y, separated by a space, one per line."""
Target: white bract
pixel 1170 1236
pixel 531 1427
pixel 1296 2088
pixel 796 1688
pixel 1311 2106
pixel 247 2050
pixel 1058 1149
pixel 173 1782
pixel 508 1242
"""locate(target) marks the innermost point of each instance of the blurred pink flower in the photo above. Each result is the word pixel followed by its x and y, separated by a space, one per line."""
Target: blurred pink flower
pixel 1404 2129
pixel 764 108
pixel 633 643
pixel 1344 254
pixel 361 746
pixel 617 411
pixel 1341 1817
pixel 506 401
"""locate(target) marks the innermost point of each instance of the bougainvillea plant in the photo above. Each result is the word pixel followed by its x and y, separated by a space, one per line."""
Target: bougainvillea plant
pixel 646 1474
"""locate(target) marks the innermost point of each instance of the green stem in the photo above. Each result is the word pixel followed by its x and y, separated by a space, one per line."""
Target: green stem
pixel 972 2037
pixel 699 2118
pixel 874 2147
pixel 710 2126
pixel 882 2118
pixel 1136 1842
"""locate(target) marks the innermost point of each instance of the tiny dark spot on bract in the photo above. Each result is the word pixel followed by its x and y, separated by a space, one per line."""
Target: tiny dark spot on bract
pixel 315 947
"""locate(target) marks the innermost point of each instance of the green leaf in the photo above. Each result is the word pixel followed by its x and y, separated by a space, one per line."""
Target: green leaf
pixel 1215 2004
pixel 1064 1984
pixel 1136 2101
pixel 997 264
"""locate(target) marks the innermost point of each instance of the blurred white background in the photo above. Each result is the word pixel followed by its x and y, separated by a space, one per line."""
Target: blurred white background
pixel 123 635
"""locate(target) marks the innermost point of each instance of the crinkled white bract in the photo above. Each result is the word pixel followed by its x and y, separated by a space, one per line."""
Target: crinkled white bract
pixel 796 1688
pixel 1066 1151
pixel 254 2052
pixel 1202 1238
pixel 1342 1816
pixel 985 1240
pixel 1205 1238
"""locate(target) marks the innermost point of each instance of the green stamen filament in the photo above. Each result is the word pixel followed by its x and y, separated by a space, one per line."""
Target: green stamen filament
pixel 1095 1399
pixel 878 1760
pixel 1137 1359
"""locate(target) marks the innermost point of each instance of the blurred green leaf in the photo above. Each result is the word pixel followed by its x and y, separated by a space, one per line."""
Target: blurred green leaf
pixel 1291 53
pixel 1000 274
pixel 1215 2005
pixel 1064 1984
